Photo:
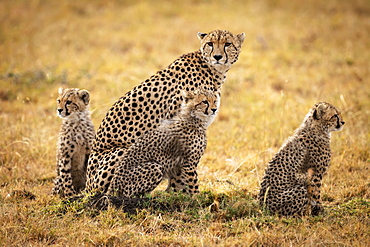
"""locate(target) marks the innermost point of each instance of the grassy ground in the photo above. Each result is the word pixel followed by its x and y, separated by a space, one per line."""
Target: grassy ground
pixel 296 53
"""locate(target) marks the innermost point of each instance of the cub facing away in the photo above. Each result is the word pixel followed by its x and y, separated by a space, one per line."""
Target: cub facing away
pixel 292 180
pixel 172 151
pixel 75 140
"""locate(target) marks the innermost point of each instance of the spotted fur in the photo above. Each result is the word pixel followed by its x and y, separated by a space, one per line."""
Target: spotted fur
pixel 159 97
pixel 292 180
pixel 75 141
pixel 172 151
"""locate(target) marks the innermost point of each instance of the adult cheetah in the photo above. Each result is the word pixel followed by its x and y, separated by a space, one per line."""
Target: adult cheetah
pixel 159 97
pixel 292 180
pixel 75 141
pixel 172 150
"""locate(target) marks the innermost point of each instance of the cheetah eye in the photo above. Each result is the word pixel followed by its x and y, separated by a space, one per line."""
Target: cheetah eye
pixel 68 102
pixel 227 44
pixel 205 102
pixel 58 101
pixel 210 44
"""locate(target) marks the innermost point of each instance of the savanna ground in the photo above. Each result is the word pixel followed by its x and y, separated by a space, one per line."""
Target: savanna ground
pixel 295 54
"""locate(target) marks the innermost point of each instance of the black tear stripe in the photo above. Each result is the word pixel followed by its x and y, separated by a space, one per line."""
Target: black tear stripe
pixel 67 113
pixel 206 111
pixel 338 122
pixel 210 54
pixel 227 57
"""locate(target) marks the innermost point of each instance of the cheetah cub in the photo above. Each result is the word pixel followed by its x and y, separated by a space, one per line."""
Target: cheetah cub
pixel 172 151
pixel 75 140
pixel 292 180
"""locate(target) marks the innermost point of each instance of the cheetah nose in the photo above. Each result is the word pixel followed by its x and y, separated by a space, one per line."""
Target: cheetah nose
pixel 217 57
pixel 213 110
pixel 60 110
pixel 343 122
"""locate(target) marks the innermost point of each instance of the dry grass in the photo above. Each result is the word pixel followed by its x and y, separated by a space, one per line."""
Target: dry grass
pixel 296 53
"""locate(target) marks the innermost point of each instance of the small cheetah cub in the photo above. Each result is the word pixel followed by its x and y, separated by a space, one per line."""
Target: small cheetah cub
pixel 172 151
pixel 292 180
pixel 75 140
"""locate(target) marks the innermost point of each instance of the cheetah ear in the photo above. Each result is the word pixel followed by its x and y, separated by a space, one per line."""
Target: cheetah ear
pixel 201 35
pixel 241 37
pixel 60 91
pixel 85 96
pixel 318 112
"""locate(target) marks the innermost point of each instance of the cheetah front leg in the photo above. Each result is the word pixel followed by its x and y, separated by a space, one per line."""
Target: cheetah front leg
pixel 318 168
pixel 314 195
pixel 58 186
pixel 63 183
pixel 310 190
pixel 314 189
pixel 186 180
pixel 186 177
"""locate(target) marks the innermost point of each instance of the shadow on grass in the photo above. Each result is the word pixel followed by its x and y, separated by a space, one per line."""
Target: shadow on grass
pixel 207 204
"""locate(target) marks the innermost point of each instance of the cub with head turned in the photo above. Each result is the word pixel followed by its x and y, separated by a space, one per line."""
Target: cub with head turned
pixel 157 98
pixel 292 180
pixel 75 141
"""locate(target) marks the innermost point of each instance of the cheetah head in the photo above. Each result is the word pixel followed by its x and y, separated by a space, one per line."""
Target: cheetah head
pixel 202 105
pixel 72 100
pixel 327 116
pixel 220 48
